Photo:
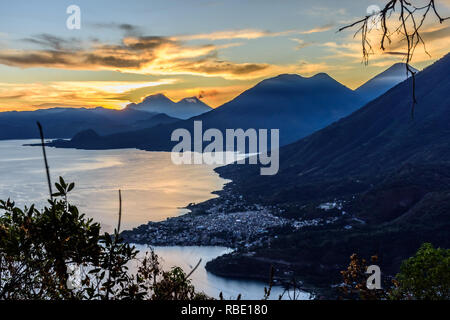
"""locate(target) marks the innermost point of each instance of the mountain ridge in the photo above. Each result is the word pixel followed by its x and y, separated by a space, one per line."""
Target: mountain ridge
pixel 294 104
pixel 67 122
pixel 384 81
pixel 183 109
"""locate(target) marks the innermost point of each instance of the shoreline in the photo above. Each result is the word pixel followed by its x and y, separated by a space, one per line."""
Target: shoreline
pixel 279 284
pixel 228 221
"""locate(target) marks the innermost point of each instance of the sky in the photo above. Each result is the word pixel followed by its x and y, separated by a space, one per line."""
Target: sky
pixel 214 50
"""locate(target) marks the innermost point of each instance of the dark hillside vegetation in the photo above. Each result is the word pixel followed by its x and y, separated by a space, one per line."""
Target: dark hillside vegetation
pixel 389 169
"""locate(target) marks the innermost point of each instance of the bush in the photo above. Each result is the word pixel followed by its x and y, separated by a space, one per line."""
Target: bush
pixel 39 250
pixel 425 276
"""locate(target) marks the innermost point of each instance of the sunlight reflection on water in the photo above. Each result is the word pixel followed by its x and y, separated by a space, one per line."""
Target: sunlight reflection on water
pixel 152 187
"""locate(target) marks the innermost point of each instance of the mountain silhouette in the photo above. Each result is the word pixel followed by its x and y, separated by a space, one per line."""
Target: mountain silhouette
pixel 183 109
pixel 295 105
pixel 384 81
pixel 66 122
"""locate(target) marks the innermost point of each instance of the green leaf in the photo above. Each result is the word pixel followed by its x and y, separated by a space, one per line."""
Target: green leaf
pixel 62 182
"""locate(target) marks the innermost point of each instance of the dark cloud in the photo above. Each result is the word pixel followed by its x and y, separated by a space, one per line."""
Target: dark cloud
pixel 145 43
pixel 427 36
pixel 64 59
pixel 436 34
pixel 53 42
pixel 111 61
pixel 12 96
pixel 207 93
pixel 129 29
pixel 58 53
pixel 222 67
pixel 36 58
pixel 395 53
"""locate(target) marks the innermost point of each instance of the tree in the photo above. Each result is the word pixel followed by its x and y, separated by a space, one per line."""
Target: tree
pixel 425 276
pixel 355 278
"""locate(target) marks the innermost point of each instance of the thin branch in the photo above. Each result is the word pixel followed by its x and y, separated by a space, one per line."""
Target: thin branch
pixel 47 169
pixel 120 211
pixel 195 268
pixel 409 26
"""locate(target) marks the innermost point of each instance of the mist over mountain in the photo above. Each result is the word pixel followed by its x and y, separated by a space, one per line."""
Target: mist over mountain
pixel 183 109
pixel 384 81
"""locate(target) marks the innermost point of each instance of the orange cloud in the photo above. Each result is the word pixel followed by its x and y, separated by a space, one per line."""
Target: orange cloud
pixel 112 94
pixel 142 55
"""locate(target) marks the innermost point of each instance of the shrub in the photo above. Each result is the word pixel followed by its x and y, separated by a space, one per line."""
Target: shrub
pixel 38 250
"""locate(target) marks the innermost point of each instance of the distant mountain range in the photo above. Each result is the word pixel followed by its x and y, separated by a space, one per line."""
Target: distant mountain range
pixel 66 122
pixel 389 169
pixel 294 104
pixel 183 109
pixel 384 81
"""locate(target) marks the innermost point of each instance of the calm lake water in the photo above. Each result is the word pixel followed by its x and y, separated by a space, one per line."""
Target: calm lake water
pixel 152 189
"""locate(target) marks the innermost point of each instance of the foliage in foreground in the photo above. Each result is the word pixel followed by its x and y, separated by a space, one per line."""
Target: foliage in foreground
pixel 58 253
pixel 424 276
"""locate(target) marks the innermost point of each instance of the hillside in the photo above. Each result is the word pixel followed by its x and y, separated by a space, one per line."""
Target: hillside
pixel 380 137
pixel 384 81
pixel 389 172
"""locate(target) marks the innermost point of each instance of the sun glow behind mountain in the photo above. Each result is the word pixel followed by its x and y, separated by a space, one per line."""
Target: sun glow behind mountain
pixel 125 53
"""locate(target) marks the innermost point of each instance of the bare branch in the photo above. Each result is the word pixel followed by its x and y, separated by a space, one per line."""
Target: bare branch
pixel 41 132
pixel 410 21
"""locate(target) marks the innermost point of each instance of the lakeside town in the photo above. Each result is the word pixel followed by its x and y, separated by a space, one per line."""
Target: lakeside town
pixel 232 224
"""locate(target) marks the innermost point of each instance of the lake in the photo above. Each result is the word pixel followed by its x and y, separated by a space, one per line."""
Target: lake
pixel 153 189
pixel 188 257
